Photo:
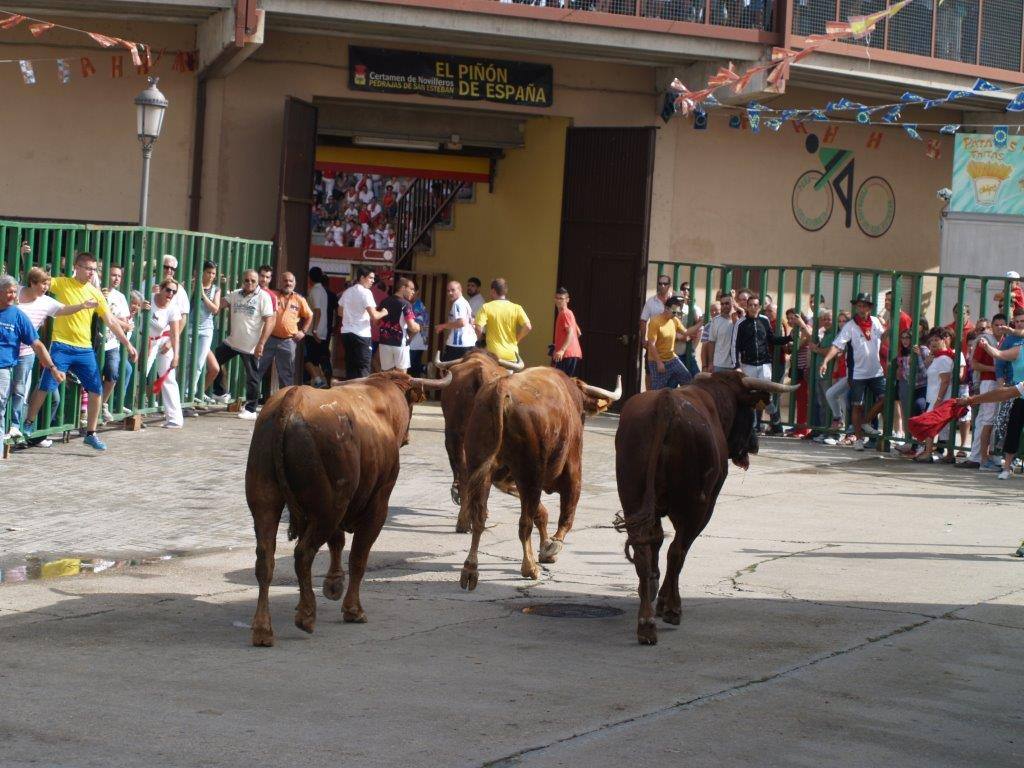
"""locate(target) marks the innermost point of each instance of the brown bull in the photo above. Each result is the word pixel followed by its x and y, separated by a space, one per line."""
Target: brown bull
pixel 672 452
pixel 469 373
pixel 527 430
pixel 332 456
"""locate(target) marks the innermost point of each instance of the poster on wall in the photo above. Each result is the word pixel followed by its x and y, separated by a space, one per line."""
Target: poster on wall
pixel 441 76
pixel 988 174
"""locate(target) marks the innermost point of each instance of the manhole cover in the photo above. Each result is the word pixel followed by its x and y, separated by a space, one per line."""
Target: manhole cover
pixel 572 610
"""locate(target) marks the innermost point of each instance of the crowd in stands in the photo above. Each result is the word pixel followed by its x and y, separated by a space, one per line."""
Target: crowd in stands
pixel 356 210
pixel 851 378
pixel 748 14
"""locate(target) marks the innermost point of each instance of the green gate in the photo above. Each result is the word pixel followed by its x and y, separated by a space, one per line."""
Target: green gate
pixel 139 252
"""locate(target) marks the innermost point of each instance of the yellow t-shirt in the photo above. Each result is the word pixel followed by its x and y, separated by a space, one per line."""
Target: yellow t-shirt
pixel 502 319
pixel 76 329
pixel 663 333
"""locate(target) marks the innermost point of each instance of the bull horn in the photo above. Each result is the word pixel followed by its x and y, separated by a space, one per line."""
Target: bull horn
pixel 604 394
pixel 515 367
pixel 427 384
pixel 764 385
pixel 442 366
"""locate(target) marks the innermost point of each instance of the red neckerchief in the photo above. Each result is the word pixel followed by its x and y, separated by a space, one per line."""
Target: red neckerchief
pixel 944 353
pixel 864 324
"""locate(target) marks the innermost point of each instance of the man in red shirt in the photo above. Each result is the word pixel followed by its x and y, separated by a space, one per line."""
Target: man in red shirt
pixel 266 274
pixel 566 352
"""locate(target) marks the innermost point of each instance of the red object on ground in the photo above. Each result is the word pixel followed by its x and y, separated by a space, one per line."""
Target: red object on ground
pixel 931 423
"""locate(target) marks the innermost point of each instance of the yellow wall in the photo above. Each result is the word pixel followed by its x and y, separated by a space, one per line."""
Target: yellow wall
pixel 514 231
pixel 71 151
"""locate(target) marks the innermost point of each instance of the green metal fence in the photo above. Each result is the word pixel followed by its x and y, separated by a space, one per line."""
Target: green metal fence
pixel 139 252
pixel 927 296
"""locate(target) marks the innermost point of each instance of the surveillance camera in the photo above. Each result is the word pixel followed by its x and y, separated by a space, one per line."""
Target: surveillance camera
pixel 944 194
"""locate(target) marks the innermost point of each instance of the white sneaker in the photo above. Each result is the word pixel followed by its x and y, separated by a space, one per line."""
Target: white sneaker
pixel 870 431
pixel 247 415
pixel 14 433
pixel 858 446
pixel 222 399
pixel 1004 475
pixel 107 415
pixel 45 442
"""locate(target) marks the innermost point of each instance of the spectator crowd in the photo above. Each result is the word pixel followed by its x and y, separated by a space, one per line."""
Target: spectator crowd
pixel 356 210
pixel 853 377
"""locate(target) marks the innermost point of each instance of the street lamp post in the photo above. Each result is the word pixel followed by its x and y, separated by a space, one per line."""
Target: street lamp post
pixel 150 106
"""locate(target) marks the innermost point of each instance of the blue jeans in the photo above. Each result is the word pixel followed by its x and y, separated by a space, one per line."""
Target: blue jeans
pixel 6 387
pixel 22 382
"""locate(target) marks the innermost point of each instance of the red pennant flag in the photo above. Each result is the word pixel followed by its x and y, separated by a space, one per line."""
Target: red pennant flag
pixel 87 68
pixel 11 21
pixel 133 48
pixel 104 40
pixel 39 27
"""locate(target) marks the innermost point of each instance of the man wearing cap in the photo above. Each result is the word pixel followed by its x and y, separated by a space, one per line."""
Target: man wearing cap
pixel 864 334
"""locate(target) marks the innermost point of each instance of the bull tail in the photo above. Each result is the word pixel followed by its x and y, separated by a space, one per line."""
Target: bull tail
pixel 285 425
pixel 640 528
pixel 494 423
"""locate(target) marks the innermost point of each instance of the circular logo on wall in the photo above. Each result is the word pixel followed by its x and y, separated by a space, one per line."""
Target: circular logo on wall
pixel 812 201
pixel 875 207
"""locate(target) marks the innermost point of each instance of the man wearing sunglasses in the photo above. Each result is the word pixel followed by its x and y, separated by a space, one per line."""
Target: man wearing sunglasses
pixel 252 322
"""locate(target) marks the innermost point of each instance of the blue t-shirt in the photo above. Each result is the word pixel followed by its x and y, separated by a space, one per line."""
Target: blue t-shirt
pixel 15 329
pixel 1010 370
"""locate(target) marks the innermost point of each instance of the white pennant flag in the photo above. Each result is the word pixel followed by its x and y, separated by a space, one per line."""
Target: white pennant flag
pixel 27 73
pixel 63 71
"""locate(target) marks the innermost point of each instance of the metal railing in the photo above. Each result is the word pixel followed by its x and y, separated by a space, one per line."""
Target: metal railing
pixel 927 297
pixel 981 32
pixel 139 252
pixel 738 14
pixel 425 203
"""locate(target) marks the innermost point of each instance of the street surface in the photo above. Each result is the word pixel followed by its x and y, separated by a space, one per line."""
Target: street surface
pixel 841 610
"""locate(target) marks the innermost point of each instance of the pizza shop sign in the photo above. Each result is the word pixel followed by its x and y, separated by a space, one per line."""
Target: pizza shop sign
pixel 440 76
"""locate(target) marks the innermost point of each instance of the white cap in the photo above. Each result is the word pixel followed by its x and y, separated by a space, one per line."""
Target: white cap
pixel 170 261
pixel 1013 275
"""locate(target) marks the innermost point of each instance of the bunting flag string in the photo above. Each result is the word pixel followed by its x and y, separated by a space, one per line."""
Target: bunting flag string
pixel 141 53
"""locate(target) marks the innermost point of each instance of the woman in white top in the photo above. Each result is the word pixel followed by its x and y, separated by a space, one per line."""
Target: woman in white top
pixel 940 374
pixel 163 349
pixel 209 307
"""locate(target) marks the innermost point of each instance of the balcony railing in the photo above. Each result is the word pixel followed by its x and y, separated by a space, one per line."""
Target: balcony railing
pixel 759 15
pixel 984 33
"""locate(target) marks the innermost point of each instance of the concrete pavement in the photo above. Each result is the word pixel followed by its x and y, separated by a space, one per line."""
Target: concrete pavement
pixel 841 609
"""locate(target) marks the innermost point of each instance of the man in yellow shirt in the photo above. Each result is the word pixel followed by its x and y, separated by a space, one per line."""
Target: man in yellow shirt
pixel 663 330
pixel 71 344
pixel 506 323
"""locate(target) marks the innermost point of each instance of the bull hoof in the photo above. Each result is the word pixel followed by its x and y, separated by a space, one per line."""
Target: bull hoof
pixel 305 621
pixel 550 550
pixel 263 637
pixel 531 571
pixel 354 617
pixel 646 632
pixel 456 497
pixel 469 578
pixel 670 616
pixel 334 587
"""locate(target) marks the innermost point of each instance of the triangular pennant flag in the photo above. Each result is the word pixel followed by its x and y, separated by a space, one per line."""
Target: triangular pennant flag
pixel 133 48
pixel 711 101
pixel 864 116
pixel 28 74
pixel 932 103
pixel 819 116
pixel 1017 105
pixel 949 129
pixel 773 123
pixel 104 40
pixel 37 28
pixel 984 85
pixel 892 116
pixel 954 95
pixel 63 71
pixel 911 98
pixel 842 105
pixel 911 129
pixel 755 106
pixel 788 114
pixel 837 29
pixel 11 21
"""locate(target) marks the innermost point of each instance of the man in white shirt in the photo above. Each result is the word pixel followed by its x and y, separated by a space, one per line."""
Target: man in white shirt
pixel 461 336
pixel 358 313
pixel 118 306
pixel 473 295
pixel 720 333
pixel 864 334
pixel 252 322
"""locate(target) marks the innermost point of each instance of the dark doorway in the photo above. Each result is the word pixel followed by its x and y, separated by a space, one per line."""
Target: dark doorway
pixel 298 154
pixel 603 253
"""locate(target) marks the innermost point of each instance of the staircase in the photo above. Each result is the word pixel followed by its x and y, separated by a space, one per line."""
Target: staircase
pixel 425 203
